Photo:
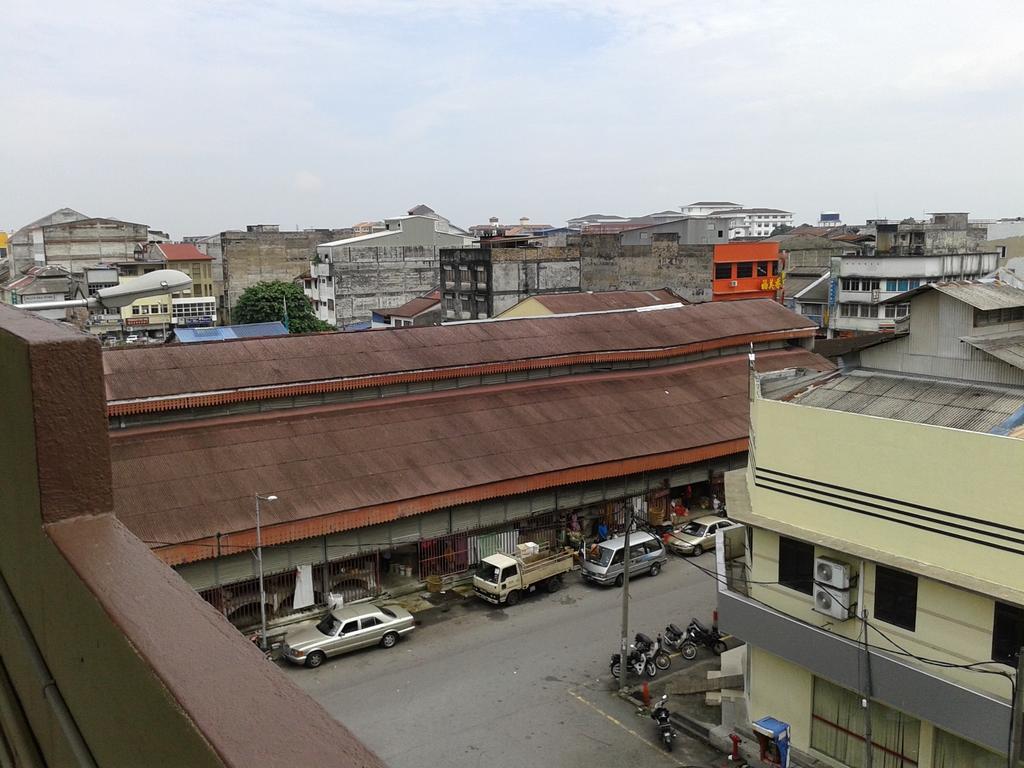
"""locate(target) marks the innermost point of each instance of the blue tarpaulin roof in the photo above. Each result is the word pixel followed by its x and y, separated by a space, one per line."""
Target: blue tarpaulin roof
pixel 225 332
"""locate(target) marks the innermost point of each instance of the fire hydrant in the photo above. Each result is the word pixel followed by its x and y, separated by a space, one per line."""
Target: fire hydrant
pixel 646 694
pixel 735 756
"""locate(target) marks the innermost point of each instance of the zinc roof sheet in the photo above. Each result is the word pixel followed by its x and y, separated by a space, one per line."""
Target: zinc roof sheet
pixel 175 370
pixel 563 303
pixel 984 294
pixel 334 459
pixel 1008 347
pixel 961 406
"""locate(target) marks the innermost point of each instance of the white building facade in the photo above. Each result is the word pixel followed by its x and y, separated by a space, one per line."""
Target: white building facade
pixel 707 207
pixel 755 222
pixel 352 277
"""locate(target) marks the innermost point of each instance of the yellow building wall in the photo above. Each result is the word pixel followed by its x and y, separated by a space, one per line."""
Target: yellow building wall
pixel 526 308
pixel 782 690
pixel 966 473
pixel 201 274
pixel 786 691
pixel 961 472
pixel 953 624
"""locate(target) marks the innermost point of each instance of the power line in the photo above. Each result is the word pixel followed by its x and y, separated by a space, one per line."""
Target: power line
pixel 972 666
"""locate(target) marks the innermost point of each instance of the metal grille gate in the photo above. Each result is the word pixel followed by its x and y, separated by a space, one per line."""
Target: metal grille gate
pixel 354 578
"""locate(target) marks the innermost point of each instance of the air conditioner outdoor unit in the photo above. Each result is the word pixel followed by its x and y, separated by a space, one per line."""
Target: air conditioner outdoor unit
pixel 832 572
pixel 832 593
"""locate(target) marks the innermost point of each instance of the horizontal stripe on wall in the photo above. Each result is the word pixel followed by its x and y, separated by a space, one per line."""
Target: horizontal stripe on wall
pixel 953 525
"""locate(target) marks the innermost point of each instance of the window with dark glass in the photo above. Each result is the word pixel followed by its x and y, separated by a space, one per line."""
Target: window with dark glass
pixel 1007 633
pixel 762 269
pixel 745 269
pixel 796 565
pixel 723 271
pixel 896 597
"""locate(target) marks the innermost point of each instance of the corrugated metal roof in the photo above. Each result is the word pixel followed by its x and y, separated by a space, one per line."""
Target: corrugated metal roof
pixel 961 406
pixel 412 308
pixel 985 294
pixel 1008 347
pixel 797 283
pixel 180 369
pixel 188 481
pixel 589 301
pixel 229 332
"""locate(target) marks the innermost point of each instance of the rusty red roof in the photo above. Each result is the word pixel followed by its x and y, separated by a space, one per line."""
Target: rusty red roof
pixel 414 307
pixel 602 301
pixel 340 467
pixel 174 370
pixel 182 252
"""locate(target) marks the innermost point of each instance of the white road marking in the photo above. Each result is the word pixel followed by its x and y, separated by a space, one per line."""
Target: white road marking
pixel 624 727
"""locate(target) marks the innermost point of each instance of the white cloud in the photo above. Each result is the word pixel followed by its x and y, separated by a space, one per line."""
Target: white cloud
pixel 307 181
pixel 184 114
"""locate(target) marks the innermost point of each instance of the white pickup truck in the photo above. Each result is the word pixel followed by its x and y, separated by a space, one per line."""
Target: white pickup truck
pixel 504 578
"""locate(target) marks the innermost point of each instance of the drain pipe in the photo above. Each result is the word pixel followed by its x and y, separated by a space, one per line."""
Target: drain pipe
pixel 51 693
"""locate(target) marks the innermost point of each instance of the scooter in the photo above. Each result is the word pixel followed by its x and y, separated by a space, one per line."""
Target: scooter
pixel 653 651
pixel 636 662
pixel 673 637
pixel 698 634
pixel 663 718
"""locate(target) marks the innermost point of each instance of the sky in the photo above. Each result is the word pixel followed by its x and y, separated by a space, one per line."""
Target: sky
pixel 198 116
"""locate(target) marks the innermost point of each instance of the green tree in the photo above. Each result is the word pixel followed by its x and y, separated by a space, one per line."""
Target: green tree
pixel 781 230
pixel 265 303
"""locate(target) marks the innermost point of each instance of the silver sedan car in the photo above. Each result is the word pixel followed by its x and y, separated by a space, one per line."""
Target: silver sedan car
pixel 346 629
pixel 696 536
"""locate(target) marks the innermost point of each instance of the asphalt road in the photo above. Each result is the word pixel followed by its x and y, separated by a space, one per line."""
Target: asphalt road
pixel 526 686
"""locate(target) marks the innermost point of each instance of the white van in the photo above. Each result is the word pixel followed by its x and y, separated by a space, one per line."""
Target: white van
pixel 603 562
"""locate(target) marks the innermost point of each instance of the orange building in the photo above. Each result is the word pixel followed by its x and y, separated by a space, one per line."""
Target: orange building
pixel 747 271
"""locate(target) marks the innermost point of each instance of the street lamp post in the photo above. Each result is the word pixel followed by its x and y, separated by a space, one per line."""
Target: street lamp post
pixel 259 560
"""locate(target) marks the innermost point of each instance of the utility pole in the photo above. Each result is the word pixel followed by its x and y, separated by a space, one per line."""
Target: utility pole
pixel 624 650
pixel 868 748
pixel 259 560
pixel 1017 726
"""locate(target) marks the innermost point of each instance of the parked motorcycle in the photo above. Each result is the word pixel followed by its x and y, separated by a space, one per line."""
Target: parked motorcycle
pixel 673 637
pixel 637 663
pixel 653 650
pixel 696 635
pixel 663 718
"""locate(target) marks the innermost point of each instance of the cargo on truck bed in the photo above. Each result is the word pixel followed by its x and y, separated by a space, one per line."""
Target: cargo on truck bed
pixel 504 578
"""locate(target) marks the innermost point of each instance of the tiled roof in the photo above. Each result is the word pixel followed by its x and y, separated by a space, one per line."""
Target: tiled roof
pixel 341 467
pixel 178 369
pixel 566 303
pixel 182 252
